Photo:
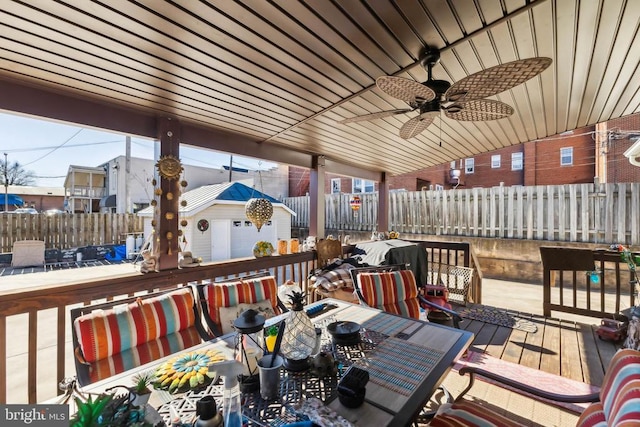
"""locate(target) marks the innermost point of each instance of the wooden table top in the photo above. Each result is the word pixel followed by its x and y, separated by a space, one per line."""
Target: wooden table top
pixel 408 362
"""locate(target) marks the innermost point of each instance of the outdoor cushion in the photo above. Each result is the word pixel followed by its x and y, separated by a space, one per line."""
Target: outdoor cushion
pixel 620 392
pixel 144 353
pixel 465 413
pixel 103 333
pixel 337 278
pixel 230 294
pixel 229 314
pixel 391 291
pixel 168 313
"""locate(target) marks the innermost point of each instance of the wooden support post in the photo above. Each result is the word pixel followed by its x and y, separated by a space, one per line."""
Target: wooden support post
pixel 166 239
pixel 317 198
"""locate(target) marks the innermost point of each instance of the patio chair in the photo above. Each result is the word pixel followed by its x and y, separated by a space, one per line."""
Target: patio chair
pixel 223 302
pixel 615 405
pixel 110 338
pixel 332 279
pixel 393 288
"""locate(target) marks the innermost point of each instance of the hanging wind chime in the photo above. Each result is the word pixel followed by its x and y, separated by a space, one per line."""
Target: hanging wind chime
pixel 258 210
pixel 169 168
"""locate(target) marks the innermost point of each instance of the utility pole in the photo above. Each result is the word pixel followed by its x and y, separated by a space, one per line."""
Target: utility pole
pixel 6 184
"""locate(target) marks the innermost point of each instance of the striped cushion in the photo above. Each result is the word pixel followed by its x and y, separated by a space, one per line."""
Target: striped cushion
pixel 465 413
pixel 104 333
pixel 392 291
pixel 168 313
pixel 144 353
pixel 231 294
pixel 593 416
pixel 620 392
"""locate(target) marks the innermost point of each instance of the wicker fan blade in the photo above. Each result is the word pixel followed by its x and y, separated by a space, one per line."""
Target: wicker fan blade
pixel 496 79
pixel 416 125
pixel 478 110
pixel 372 116
pixel 405 90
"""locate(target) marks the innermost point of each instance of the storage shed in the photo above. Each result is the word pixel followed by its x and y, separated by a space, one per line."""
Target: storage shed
pixel 217 228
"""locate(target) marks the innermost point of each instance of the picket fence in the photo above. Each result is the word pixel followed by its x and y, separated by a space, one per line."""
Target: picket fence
pixel 66 231
pixel 601 213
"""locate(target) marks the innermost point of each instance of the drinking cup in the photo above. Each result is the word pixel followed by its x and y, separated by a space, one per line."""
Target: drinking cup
pixel 270 376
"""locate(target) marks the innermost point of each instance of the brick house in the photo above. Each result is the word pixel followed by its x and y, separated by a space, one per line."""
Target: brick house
pixel 573 157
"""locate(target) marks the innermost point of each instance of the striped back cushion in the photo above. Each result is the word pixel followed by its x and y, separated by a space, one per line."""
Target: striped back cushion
pixel 620 392
pixel 103 333
pixel 391 291
pixel 144 353
pixel 231 294
pixel 167 313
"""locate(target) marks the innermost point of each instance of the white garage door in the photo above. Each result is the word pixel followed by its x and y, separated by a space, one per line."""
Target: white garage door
pixel 244 236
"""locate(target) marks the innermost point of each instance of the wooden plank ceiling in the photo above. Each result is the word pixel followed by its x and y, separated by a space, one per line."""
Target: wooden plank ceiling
pixel 281 73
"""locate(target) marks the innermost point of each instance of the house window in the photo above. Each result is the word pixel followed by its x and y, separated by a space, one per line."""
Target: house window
pixel 439 187
pixel 566 156
pixel 468 165
pixel 495 161
pixel 516 161
pixel 362 186
pixel 335 185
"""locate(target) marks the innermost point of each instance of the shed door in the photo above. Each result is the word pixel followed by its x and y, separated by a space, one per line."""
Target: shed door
pixel 244 236
pixel 220 241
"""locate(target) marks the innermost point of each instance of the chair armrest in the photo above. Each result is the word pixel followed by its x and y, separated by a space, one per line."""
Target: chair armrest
pixel 473 371
pixel 454 314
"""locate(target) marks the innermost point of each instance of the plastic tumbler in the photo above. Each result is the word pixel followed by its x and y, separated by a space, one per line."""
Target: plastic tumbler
pixel 270 377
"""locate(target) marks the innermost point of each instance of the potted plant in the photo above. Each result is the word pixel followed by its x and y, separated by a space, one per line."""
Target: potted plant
pixel 141 390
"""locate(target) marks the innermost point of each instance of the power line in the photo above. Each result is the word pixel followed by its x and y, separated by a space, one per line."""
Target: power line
pixel 42 157
pixel 26 150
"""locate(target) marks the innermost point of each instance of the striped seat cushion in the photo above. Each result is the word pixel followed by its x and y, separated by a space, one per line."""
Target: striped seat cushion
pixel 144 353
pixel 391 291
pixel 620 392
pixel 104 333
pixel 230 294
pixel 469 414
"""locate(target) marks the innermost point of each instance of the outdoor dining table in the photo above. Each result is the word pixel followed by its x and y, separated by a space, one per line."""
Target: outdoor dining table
pixel 406 359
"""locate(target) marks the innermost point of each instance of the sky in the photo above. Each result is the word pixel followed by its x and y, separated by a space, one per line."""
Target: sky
pixel 47 148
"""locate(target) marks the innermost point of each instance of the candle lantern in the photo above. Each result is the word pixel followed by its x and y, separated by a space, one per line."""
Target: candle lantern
pixel 299 338
pixel 248 348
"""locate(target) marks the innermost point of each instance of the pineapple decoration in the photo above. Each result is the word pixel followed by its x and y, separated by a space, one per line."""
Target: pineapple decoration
pixel 259 210
pixel 299 336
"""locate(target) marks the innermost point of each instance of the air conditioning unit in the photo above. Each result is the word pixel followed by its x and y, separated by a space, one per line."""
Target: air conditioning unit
pixel 454 176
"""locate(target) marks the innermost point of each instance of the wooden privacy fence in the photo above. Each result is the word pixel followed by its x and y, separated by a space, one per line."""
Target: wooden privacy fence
pixel 68 230
pixel 603 213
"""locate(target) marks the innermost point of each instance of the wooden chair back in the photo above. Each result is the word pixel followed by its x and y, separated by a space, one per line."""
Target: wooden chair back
pixel 328 250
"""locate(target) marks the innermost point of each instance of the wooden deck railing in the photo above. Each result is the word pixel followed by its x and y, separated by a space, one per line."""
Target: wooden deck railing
pixel 569 270
pixel 45 308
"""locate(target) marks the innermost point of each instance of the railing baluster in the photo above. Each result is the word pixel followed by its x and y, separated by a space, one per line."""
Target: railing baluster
pixel 3 357
pixel 32 357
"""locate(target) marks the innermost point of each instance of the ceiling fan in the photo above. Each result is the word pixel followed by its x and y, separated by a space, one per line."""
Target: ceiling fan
pixel 463 100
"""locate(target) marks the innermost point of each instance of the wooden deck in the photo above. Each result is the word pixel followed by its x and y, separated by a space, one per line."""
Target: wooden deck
pixel 567 346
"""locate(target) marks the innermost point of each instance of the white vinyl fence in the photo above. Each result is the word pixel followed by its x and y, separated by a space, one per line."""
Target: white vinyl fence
pixel 603 213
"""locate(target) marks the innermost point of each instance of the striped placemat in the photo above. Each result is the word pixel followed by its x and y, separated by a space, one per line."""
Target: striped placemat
pixel 399 366
pixel 384 323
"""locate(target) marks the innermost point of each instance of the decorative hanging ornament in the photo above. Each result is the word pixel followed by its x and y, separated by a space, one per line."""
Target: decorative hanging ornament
pixel 203 225
pixel 169 167
pixel 259 211
pixel 355 204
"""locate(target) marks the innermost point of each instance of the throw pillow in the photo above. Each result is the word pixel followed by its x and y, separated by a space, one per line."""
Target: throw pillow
pixel 229 314
pixel 337 278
